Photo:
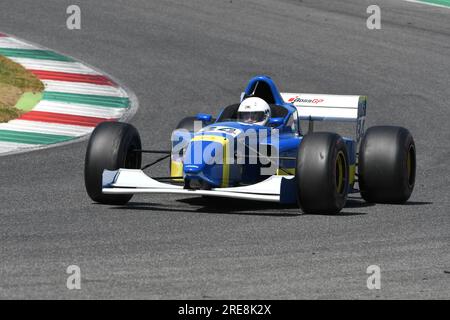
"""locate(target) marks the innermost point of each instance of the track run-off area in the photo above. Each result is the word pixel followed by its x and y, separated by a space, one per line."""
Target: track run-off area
pixel 181 58
pixel 75 99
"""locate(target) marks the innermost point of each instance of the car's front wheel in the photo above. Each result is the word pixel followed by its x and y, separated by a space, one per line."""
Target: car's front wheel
pixel 322 173
pixel 110 147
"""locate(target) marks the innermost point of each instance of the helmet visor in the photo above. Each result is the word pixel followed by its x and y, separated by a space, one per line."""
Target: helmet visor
pixel 251 117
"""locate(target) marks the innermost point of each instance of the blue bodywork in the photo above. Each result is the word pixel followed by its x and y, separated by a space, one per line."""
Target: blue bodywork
pixel 218 136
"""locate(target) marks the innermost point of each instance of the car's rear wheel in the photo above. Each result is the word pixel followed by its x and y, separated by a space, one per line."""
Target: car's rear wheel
pixel 110 147
pixel 192 124
pixel 322 173
pixel 387 165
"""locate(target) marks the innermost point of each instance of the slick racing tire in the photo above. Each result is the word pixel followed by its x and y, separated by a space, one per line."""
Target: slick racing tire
pixel 110 147
pixel 322 173
pixel 188 124
pixel 387 165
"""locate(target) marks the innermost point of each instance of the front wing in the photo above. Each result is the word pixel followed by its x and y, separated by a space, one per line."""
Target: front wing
pixel 134 181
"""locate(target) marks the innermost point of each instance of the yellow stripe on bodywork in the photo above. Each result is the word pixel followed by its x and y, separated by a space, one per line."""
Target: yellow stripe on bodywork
pixel 286 172
pixel 176 170
pixel 226 166
pixel 340 161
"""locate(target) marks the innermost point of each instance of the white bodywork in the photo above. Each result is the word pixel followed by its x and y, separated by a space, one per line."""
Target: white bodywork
pixel 328 107
pixel 134 181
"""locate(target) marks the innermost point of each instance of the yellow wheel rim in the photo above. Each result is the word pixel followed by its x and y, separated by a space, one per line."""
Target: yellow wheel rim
pixel 408 165
pixel 340 172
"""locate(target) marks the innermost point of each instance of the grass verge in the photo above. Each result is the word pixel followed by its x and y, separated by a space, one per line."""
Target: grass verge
pixel 15 82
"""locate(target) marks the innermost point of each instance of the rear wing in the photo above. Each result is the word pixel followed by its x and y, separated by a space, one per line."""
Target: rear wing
pixel 327 107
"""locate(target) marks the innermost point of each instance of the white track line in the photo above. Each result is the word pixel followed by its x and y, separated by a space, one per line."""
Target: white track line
pixel 57 66
pixel 83 88
pixel 79 109
pixel 12 146
pixel 11 43
pixel 45 127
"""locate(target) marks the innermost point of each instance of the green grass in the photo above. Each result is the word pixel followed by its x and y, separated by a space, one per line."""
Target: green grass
pixel 15 81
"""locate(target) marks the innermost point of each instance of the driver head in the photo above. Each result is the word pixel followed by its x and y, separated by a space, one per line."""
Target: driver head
pixel 254 110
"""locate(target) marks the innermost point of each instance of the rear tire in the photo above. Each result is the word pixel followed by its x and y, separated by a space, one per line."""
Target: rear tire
pixel 110 147
pixel 322 173
pixel 387 165
pixel 188 124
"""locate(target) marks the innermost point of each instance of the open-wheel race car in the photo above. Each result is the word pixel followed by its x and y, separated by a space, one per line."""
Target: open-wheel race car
pixel 256 150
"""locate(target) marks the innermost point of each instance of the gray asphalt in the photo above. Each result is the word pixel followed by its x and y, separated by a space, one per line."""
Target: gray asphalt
pixel 183 57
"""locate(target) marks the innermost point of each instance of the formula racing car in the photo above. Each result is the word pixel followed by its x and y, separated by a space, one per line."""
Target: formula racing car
pixel 256 150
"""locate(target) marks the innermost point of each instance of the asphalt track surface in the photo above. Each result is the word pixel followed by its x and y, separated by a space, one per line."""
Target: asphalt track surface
pixel 184 57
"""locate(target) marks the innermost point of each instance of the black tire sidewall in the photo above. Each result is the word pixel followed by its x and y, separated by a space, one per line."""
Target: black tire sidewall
pixel 108 148
pixel 188 123
pixel 382 170
pixel 316 173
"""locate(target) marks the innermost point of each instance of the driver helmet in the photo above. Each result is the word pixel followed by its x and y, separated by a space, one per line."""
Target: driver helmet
pixel 254 110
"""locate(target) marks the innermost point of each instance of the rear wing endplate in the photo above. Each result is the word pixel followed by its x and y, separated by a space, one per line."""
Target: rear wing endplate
pixel 327 107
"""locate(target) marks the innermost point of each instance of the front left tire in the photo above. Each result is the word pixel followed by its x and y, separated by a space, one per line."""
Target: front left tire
pixel 322 173
pixel 110 147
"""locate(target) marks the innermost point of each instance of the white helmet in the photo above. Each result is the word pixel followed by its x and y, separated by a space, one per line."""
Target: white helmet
pixel 254 110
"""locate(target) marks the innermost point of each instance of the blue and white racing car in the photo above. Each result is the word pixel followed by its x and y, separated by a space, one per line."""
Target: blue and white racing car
pixel 256 150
